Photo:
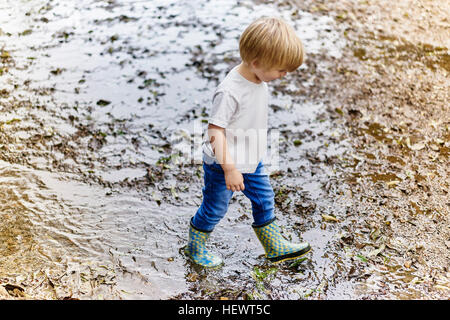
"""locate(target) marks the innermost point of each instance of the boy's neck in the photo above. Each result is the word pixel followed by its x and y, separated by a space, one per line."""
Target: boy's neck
pixel 245 71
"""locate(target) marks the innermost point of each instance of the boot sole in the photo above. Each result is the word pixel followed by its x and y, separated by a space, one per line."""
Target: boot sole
pixel 198 264
pixel 290 256
pixel 206 267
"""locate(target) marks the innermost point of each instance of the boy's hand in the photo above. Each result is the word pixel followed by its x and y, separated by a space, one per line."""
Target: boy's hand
pixel 234 180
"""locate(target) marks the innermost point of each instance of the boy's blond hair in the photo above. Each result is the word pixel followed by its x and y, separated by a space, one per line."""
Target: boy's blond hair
pixel 273 43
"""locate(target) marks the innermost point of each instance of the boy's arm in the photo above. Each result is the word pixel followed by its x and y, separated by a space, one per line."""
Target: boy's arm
pixel 220 148
pixel 233 177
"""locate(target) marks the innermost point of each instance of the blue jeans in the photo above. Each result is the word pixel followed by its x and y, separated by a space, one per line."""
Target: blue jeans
pixel 216 197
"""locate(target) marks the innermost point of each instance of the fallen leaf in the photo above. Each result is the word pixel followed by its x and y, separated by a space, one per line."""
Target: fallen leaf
pixel 192 277
pixel 174 193
pixel 392 183
pixel 417 146
pixel 329 218
pixel 434 147
pixel 376 252
pixel 362 258
pixel 103 103
pixel 375 234
pixel 14 290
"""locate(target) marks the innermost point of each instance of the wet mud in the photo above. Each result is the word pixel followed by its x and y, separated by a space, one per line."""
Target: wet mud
pixel 103 106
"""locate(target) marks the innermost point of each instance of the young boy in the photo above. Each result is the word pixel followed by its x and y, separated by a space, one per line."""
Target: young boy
pixel 236 142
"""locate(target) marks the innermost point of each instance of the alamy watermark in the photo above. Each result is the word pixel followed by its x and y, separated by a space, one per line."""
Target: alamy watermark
pixel 188 145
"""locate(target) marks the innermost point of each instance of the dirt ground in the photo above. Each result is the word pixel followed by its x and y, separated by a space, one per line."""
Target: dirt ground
pixel 392 95
pixel 375 158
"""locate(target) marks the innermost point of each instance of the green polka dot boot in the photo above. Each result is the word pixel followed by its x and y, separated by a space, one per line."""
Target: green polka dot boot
pixel 196 249
pixel 277 248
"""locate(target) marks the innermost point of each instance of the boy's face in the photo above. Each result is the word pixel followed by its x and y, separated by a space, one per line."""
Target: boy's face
pixel 268 74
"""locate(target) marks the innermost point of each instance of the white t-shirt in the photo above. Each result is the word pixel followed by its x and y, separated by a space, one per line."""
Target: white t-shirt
pixel 241 107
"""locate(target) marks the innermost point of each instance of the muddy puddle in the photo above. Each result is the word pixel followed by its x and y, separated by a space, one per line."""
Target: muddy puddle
pixel 103 108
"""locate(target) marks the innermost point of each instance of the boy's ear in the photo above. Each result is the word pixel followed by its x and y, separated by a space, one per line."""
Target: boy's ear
pixel 255 63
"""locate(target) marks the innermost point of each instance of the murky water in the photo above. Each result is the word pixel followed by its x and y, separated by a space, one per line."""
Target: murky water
pixel 97 92
pixel 52 221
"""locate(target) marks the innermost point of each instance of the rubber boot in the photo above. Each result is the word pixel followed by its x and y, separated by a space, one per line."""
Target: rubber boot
pixel 276 247
pixel 196 249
